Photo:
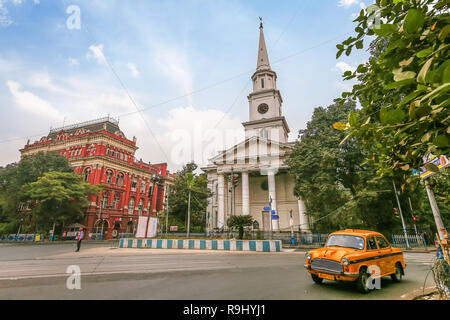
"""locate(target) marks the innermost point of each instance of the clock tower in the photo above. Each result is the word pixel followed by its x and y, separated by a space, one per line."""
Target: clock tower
pixel 266 117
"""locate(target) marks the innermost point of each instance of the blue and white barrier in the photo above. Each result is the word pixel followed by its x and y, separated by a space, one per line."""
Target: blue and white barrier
pixel 227 245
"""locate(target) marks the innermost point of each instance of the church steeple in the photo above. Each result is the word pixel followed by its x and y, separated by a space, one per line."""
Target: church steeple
pixel 263 57
pixel 266 117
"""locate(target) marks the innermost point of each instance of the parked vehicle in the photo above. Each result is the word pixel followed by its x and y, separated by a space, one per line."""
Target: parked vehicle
pixel 356 255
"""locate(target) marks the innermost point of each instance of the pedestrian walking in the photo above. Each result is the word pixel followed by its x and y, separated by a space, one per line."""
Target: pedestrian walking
pixel 79 236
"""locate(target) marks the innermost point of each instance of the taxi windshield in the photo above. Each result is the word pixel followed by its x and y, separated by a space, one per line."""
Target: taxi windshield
pixel 345 241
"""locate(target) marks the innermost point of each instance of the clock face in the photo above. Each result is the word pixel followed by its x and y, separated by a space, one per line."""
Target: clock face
pixel 263 108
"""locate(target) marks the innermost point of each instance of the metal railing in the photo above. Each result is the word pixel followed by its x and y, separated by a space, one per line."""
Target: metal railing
pixel 414 241
pixel 36 237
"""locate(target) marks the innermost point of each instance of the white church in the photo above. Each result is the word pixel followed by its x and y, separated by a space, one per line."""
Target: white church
pixel 251 178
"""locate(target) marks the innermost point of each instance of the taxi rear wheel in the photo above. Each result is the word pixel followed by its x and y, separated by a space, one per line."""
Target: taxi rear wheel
pixel 316 279
pixel 361 283
pixel 398 275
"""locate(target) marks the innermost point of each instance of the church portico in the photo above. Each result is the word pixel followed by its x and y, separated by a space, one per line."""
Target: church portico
pixel 252 175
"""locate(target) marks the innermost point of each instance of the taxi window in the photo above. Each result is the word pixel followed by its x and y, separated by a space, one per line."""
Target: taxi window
pixel 382 243
pixel 371 244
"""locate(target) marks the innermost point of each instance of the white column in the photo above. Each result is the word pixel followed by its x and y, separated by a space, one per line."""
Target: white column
pixel 272 194
pixel 304 225
pixel 245 194
pixel 221 202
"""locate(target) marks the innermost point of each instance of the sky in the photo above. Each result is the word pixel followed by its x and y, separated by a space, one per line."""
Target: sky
pixel 175 73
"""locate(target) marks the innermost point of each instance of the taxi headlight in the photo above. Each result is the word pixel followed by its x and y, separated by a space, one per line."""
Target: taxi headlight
pixel 345 261
pixel 308 256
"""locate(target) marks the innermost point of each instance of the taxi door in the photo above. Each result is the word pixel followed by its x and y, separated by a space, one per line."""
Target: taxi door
pixel 387 266
pixel 375 252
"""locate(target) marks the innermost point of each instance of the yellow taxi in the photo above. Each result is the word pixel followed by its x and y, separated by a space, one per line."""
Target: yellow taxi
pixel 356 255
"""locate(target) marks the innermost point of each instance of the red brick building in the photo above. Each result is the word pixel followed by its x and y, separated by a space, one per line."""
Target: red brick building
pixel 99 151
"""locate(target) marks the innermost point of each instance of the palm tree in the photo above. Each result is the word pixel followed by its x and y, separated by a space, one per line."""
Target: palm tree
pixel 240 222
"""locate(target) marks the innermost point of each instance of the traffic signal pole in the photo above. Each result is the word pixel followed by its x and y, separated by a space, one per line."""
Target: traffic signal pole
pixel 401 215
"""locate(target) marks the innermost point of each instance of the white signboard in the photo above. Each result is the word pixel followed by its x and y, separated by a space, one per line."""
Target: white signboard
pixel 152 227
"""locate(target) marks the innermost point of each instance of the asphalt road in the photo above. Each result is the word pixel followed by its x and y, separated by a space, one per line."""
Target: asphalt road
pixel 39 272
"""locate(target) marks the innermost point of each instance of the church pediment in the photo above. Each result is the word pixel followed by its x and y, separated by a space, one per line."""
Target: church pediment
pixel 253 150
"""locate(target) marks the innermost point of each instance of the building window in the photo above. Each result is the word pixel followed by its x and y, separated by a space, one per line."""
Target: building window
pixel 126 157
pixel 121 156
pixel 262 83
pixel 134 184
pixel 107 152
pixel 143 187
pixel 131 206
pixel 116 201
pixel 109 176
pixel 87 172
pixel 141 206
pixel 119 180
pixel 105 200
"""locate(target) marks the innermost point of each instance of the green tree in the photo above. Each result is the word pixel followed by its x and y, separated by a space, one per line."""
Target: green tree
pixel 404 88
pixel 60 197
pixel 339 189
pixel 187 181
pixel 14 203
pixel 240 222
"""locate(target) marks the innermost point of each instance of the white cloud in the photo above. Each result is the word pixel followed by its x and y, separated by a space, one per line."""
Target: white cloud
pixel 342 66
pixel 73 62
pixel 5 19
pixel 193 134
pixel 174 65
pixel 96 53
pixel 133 69
pixel 348 3
pixel 29 102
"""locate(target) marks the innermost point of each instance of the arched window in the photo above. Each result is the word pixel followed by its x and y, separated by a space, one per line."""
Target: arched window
pixel 116 201
pixel 263 133
pixel 87 172
pixel 119 179
pixel 143 187
pixel 109 176
pixel 262 83
pixel 131 206
pixel 134 184
pixel 141 206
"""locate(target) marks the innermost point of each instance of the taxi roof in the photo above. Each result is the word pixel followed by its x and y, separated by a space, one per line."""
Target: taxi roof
pixel 357 232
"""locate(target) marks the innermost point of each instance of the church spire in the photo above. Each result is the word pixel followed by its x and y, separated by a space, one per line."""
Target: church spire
pixel 263 57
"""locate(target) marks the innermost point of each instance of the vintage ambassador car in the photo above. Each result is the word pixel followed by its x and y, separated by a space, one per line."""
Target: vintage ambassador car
pixel 356 255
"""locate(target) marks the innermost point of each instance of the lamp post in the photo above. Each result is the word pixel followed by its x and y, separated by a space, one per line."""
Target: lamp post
pixel 154 179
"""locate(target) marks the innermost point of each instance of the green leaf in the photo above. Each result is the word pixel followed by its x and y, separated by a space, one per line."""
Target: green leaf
pixel 392 116
pixel 431 167
pixel 385 30
pixel 424 52
pixel 414 21
pixel 446 74
pixel 359 44
pixel 441 141
pixel 444 32
pixel 398 84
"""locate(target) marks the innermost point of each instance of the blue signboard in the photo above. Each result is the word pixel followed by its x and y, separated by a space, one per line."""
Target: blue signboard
pixel 275 217
pixel 266 209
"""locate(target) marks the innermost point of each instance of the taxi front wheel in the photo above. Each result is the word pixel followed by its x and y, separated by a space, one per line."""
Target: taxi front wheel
pixel 316 279
pixel 361 283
